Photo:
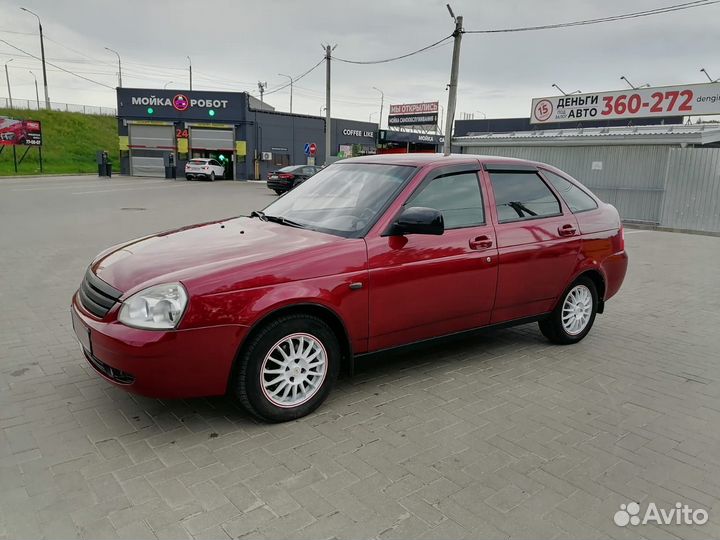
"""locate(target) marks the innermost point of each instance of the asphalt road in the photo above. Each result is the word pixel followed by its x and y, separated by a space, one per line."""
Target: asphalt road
pixel 498 436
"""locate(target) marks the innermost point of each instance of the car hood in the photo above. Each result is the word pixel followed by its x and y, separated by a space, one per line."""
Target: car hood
pixel 238 249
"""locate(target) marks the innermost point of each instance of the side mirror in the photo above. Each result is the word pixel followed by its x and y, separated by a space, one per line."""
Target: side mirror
pixel 418 220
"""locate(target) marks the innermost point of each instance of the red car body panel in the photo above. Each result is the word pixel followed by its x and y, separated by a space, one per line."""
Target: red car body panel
pixel 405 288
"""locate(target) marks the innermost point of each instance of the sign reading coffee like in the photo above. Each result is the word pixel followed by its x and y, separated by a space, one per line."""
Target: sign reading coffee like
pixel 414 114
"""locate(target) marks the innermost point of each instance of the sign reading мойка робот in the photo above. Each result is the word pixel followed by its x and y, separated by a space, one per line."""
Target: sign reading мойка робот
pixel 682 100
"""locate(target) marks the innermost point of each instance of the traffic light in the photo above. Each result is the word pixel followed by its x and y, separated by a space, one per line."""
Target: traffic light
pixel 150 110
pixel 211 112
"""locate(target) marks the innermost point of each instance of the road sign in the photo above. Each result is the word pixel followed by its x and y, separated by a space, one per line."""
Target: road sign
pixel 307 149
pixel 313 149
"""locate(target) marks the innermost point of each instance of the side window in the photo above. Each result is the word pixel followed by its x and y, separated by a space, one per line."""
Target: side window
pixel 522 195
pixel 576 199
pixel 457 196
pixel 213 162
pixel 309 171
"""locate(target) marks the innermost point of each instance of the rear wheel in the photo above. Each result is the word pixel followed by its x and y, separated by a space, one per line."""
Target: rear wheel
pixel 288 368
pixel 188 177
pixel 279 191
pixel 573 317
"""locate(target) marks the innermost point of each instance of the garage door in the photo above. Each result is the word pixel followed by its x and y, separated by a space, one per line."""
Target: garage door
pixel 211 139
pixel 148 145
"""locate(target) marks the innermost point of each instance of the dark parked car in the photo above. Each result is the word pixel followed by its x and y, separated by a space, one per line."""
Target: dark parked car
pixel 290 177
pixel 371 253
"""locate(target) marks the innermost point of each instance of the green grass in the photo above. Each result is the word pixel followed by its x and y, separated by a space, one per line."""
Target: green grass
pixel 70 141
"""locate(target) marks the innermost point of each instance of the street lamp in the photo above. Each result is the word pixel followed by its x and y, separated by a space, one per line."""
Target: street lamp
pixel 119 65
pixel 382 100
pixel 42 54
pixel 702 70
pixel 166 85
pixel 624 78
pixel 484 115
pixel 322 109
pixel 37 96
pixel 190 64
pixel 7 78
pixel 291 85
pixel 371 115
pixel 563 92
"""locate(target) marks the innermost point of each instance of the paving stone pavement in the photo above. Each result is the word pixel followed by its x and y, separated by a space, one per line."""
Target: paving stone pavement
pixel 497 436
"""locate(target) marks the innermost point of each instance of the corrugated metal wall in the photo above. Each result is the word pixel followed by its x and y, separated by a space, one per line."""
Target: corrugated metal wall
pixel 631 178
pixel 692 194
pixel 670 187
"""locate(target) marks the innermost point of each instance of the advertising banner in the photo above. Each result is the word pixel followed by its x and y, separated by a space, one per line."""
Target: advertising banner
pixel 414 114
pixel 683 100
pixel 20 132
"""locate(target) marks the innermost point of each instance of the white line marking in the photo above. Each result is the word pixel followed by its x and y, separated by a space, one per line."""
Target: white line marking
pixel 84 184
pixel 128 189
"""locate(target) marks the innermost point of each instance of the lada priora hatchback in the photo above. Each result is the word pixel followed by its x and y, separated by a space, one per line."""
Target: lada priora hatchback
pixel 369 254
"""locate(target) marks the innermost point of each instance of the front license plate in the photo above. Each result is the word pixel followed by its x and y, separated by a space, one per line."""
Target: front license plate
pixel 82 333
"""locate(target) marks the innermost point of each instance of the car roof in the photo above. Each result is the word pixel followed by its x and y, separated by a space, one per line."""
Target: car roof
pixel 424 159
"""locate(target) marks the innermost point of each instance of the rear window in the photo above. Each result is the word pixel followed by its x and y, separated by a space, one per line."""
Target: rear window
pixel 521 195
pixel 198 161
pixel 576 199
pixel 291 168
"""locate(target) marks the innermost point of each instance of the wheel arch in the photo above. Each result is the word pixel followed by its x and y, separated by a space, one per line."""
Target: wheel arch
pixel 598 279
pixel 324 313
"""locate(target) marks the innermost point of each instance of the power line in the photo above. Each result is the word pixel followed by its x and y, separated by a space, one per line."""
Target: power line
pixel 385 60
pixel 634 15
pixel 58 67
pixel 295 79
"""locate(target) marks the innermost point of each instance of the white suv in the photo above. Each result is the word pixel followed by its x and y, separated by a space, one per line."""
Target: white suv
pixel 204 168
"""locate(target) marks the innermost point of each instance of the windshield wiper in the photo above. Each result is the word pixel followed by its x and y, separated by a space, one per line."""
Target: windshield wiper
pixel 259 214
pixel 283 221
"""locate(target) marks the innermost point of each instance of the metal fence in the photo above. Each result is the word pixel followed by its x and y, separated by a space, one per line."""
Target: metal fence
pixel 32 105
pixel 668 187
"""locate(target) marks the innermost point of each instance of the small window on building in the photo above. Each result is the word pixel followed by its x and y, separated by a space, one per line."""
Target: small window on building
pixel 457 196
pixel 281 160
pixel 576 199
pixel 522 195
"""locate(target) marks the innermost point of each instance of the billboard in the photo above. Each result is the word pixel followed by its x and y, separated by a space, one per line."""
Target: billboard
pixel 414 114
pixel 20 132
pixel 682 100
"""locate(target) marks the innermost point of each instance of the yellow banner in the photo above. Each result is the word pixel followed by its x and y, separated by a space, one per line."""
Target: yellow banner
pixel 182 146
pixel 241 148
pixel 123 141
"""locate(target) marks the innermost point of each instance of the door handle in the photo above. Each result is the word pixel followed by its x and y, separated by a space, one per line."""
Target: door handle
pixel 566 230
pixel 480 242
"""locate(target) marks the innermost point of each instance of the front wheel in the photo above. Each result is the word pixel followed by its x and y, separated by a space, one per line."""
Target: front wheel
pixel 212 176
pixel 573 317
pixel 188 177
pixel 279 191
pixel 288 368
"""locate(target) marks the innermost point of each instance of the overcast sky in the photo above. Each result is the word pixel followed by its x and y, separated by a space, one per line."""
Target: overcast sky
pixel 233 44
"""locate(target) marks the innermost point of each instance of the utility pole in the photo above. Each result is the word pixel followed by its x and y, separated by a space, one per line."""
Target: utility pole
pixel 119 65
pixel 37 96
pixel 262 86
pixel 382 102
pixel 291 85
pixel 452 87
pixel 7 78
pixel 42 55
pixel 328 127
pixel 190 65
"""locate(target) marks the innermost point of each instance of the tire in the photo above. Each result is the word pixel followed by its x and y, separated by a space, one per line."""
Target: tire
pixel 584 292
pixel 267 402
pixel 279 191
pixel 212 176
pixel 188 177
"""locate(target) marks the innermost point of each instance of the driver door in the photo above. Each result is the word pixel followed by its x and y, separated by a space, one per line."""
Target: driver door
pixel 423 286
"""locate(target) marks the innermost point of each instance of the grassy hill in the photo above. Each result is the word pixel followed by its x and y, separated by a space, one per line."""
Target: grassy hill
pixel 70 141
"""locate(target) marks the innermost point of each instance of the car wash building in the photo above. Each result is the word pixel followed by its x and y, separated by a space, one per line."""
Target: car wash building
pixel 166 128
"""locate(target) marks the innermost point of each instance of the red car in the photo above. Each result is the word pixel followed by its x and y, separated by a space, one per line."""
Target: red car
pixel 369 254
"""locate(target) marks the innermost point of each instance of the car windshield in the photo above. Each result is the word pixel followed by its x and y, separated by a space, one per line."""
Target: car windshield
pixel 344 199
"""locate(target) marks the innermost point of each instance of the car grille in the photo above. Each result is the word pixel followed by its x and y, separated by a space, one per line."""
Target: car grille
pixel 110 372
pixel 97 296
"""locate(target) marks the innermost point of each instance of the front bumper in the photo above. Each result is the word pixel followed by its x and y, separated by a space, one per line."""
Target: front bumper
pixel 159 364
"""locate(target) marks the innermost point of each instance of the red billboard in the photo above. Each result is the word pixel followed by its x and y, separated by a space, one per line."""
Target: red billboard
pixel 20 132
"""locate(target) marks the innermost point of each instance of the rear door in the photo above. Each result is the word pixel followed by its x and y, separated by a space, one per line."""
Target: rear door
pixel 423 286
pixel 537 238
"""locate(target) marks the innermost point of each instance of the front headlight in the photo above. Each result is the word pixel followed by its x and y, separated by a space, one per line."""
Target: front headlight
pixel 158 307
